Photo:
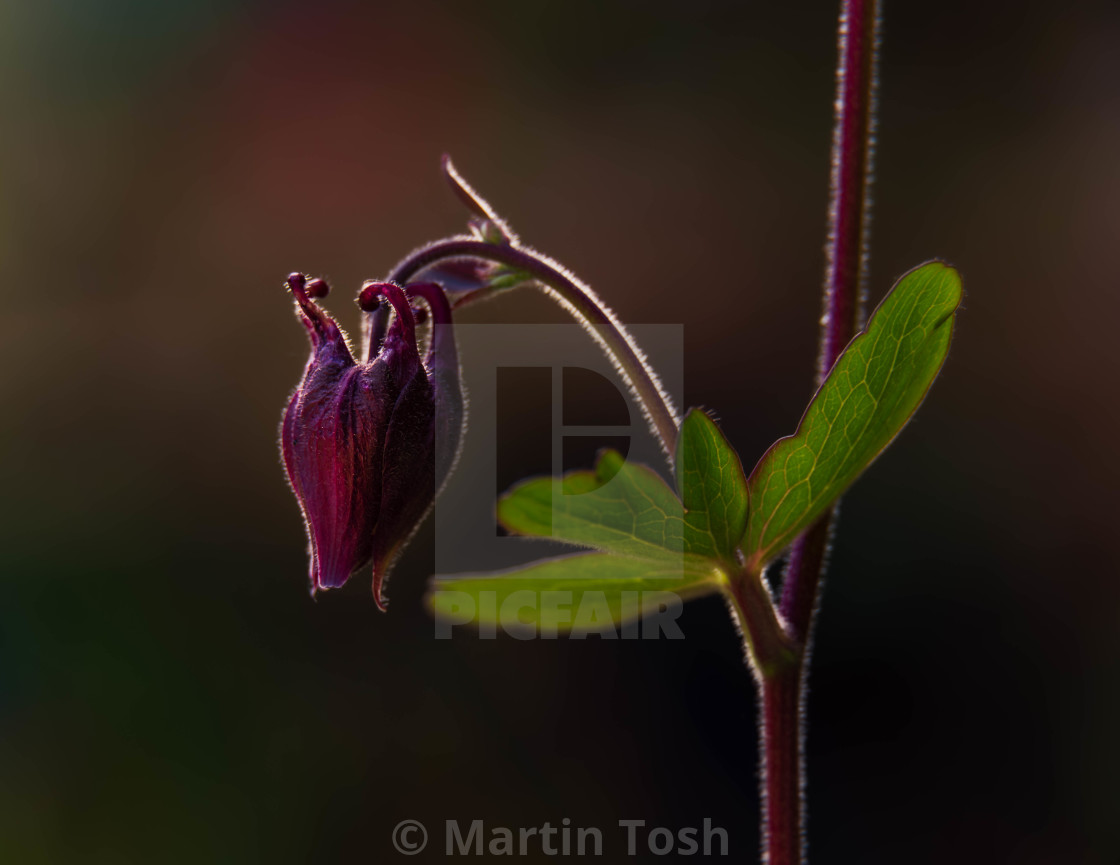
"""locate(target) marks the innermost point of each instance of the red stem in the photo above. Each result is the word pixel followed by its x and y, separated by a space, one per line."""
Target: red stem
pixel 849 219
pixel 849 211
pixel 781 732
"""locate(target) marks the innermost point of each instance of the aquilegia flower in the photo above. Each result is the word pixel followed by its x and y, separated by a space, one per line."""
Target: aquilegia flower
pixel 366 445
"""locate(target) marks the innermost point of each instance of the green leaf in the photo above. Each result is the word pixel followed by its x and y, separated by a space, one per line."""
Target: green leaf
pixel 620 507
pixel 869 395
pixel 712 487
pixel 581 592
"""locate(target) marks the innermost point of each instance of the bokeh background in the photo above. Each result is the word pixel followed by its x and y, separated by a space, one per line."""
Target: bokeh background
pixel 168 690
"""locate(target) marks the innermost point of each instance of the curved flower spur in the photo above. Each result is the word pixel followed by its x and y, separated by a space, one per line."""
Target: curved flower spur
pixel 367 445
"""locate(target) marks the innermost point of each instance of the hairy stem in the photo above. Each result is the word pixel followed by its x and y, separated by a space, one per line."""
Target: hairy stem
pixel 578 299
pixel 849 219
pixel 781 759
pixel 846 269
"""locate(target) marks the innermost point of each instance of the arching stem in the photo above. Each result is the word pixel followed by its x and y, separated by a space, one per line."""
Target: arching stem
pixel 578 299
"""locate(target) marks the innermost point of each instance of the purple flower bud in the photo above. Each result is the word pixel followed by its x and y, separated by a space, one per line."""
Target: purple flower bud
pixel 367 445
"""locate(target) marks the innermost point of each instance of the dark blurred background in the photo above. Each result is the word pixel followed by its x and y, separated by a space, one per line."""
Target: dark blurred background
pixel 168 690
